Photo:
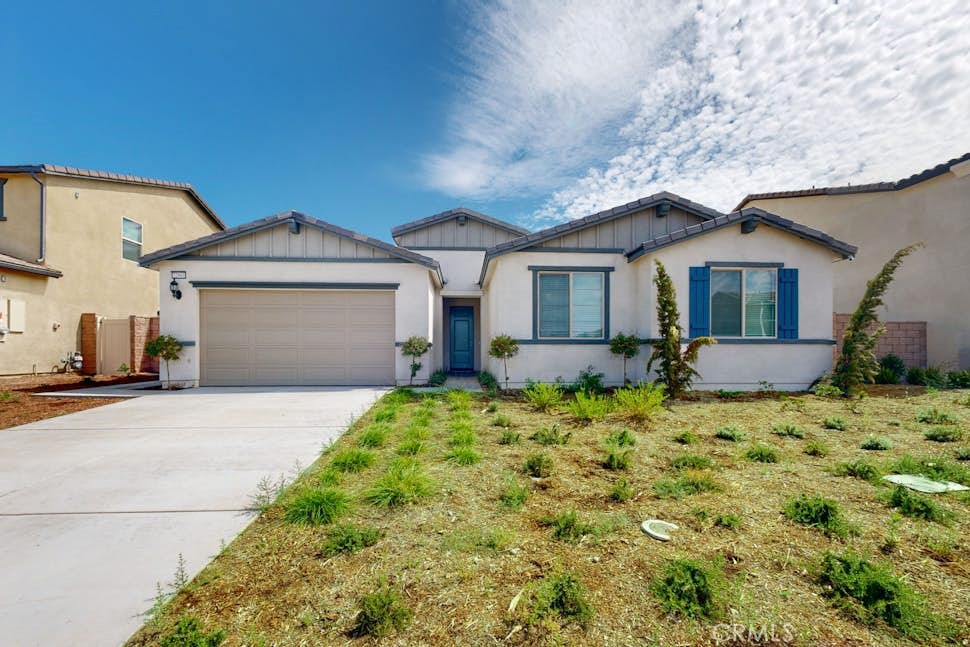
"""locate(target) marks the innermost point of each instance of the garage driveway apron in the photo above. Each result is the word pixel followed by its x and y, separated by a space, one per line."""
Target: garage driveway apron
pixel 97 506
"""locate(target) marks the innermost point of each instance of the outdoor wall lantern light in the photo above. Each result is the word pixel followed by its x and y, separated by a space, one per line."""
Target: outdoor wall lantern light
pixel 174 287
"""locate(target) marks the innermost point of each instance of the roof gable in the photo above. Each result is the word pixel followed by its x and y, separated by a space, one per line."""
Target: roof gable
pixel 904 183
pixel 456 228
pixel 248 235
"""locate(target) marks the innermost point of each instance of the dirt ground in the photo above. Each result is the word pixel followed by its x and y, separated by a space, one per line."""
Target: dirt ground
pixel 18 405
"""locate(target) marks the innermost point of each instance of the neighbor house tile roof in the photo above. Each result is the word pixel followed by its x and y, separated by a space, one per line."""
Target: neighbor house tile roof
pixel 272 221
pixel 922 176
pixel 19 264
pixel 70 171
pixel 451 213
pixel 750 214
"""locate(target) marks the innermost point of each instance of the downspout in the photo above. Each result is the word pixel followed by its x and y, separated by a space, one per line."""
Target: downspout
pixel 43 217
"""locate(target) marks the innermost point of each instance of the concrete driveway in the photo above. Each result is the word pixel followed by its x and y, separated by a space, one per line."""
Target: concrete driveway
pixel 96 506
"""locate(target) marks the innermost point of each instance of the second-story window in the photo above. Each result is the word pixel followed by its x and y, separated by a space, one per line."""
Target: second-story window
pixel 130 239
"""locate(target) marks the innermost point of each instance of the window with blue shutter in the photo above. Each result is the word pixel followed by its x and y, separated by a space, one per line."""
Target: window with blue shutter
pixel 787 303
pixel 700 302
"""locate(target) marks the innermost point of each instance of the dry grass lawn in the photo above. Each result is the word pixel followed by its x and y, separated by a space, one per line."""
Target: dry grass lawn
pixel 459 559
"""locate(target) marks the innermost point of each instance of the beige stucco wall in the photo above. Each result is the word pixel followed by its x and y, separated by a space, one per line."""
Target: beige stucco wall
pixel 84 242
pixel 414 300
pixel 931 285
pixel 507 308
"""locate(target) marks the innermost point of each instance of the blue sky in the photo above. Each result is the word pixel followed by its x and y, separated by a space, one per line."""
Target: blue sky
pixel 369 114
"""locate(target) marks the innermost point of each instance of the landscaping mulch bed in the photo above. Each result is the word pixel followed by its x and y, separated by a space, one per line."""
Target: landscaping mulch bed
pixel 467 569
pixel 18 405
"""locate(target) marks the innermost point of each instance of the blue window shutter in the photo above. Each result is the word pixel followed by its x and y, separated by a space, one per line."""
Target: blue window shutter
pixel 787 303
pixel 700 302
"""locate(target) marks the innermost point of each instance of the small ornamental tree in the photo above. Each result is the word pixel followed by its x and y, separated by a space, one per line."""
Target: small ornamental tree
pixel 503 347
pixel 857 363
pixel 675 365
pixel 415 347
pixel 627 347
pixel 167 348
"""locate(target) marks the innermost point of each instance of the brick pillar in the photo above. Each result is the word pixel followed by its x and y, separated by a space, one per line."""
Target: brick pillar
pixel 89 343
pixel 142 329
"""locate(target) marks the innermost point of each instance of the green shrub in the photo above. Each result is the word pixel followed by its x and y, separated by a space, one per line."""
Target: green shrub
pixel 625 346
pixel 404 482
pixel 411 447
pixel 510 437
pixel 820 513
pixel 686 438
pixel 188 632
pixel 488 383
pixel 836 423
pixel 934 416
pixel 351 459
pixel 586 408
pixel 893 364
pixel 762 453
pixel 463 438
pixel 691 588
pixel 566 526
pixel 458 400
pixel 963 454
pixel 816 448
pixel 464 456
pixel 929 377
pixel 916 505
pixel 621 438
pixel 618 459
pixel 386 413
pixel 538 465
pixel 375 435
pixel 492 407
pixel 551 436
pixel 417 430
pixel 733 434
pixel 938 468
pixel 885 376
pixel 347 538
pixel 621 491
pixel 859 469
pixel 562 595
pixel 461 421
pixel 829 391
pixel 515 493
pixel 878 594
pixel 438 378
pixel 316 507
pixel 944 435
pixel 958 379
pixel 543 397
pixel 381 613
pixel 874 443
pixel 729 521
pixel 501 420
pixel 685 486
pixel 691 461
pixel 787 429
pixel 641 402
pixel 588 382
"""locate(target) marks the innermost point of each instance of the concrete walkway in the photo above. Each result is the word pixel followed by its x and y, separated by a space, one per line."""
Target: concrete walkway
pixel 96 506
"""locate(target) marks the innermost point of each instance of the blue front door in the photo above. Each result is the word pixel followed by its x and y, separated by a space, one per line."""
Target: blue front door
pixel 462 338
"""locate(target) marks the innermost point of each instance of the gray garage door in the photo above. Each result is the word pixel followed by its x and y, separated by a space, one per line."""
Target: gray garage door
pixel 296 337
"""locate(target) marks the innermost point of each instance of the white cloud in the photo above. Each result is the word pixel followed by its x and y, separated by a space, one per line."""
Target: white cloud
pixel 600 103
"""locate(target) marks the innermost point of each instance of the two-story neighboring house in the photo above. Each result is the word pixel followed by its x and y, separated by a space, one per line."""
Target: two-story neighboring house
pixel 931 286
pixel 70 240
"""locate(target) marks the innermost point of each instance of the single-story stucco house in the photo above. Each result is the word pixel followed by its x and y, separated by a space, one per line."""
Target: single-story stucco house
pixel 291 300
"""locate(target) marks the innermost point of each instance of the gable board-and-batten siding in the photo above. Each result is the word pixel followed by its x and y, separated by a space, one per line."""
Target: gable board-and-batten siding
pixel 624 232
pixel 278 242
pixel 450 234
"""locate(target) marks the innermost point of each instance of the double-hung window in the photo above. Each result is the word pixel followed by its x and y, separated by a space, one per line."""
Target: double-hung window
pixel 571 305
pixel 130 239
pixel 744 302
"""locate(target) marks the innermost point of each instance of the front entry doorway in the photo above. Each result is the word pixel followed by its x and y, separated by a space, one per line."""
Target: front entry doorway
pixel 462 338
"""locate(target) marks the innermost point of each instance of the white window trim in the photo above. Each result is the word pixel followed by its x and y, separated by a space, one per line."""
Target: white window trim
pixel 744 271
pixel 125 239
pixel 569 291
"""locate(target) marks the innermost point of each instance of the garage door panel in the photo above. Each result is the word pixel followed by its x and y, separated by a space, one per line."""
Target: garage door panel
pixel 288 337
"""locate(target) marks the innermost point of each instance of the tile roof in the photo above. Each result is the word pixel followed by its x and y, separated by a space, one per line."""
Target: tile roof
pixel 70 171
pixel 451 213
pixel 922 176
pixel 19 264
pixel 272 221
pixel 754 214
